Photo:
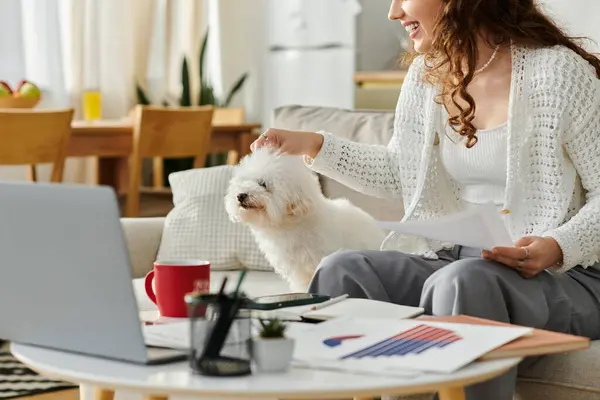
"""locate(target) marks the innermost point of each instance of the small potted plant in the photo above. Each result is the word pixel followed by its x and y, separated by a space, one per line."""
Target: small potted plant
pixel 272 351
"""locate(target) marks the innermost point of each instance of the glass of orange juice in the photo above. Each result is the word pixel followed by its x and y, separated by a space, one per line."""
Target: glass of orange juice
pixel 92 104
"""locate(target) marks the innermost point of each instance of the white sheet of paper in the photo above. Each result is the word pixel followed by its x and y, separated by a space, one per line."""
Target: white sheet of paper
pixel 171 336
pixel 480 227
pixel 176 335
pixel 400 345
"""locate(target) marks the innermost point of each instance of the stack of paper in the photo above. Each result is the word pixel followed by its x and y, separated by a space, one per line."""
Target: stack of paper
pixel 389 347
pixel 170 336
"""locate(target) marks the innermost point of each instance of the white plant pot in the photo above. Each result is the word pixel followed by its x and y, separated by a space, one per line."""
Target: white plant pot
pixel 272 355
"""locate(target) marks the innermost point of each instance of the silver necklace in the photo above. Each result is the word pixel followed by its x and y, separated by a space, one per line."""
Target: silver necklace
pixel 487 64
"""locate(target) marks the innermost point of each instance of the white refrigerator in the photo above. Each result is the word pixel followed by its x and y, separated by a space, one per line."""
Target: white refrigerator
pixel 311 53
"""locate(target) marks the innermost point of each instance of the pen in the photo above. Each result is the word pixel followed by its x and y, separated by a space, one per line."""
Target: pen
pixel 222 289
pixel 329 302
pixel 240 280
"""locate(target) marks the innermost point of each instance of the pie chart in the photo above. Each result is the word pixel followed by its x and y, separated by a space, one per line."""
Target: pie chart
pixel 338 340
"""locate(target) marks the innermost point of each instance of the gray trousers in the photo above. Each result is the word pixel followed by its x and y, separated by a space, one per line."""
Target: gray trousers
pixel 461 282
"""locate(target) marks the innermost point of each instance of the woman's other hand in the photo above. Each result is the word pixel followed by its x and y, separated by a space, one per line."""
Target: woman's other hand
pixel 290 142
pixel 530 256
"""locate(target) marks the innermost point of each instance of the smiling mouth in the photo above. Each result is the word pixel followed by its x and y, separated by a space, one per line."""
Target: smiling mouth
pixel 412 29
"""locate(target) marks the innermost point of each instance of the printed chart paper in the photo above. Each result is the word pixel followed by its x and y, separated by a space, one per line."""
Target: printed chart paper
pixel 387 345
pixel 480 227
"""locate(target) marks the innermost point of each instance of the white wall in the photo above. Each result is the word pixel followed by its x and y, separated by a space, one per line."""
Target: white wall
pixel 578 17
pixel 241 28
pixel 379 41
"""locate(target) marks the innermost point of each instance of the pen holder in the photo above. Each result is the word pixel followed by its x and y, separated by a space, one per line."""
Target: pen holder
pixel 220 336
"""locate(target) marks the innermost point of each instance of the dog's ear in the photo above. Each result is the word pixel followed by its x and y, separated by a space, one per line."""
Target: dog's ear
pixel 299 208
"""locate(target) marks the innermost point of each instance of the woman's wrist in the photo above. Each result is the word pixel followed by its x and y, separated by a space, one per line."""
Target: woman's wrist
pixel 316 145
pixel 559 257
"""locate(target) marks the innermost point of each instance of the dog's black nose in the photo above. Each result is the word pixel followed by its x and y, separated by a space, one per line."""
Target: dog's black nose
pixel 242 197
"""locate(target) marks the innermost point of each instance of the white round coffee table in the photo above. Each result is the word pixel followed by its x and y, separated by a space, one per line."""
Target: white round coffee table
pixel 159 382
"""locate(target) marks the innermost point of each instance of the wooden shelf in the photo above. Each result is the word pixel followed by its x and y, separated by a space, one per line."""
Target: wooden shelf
pixel 380 78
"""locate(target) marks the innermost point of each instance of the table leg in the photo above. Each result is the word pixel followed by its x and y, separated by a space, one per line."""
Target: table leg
pixel 233 157
pixel 457 393
pixel 103 394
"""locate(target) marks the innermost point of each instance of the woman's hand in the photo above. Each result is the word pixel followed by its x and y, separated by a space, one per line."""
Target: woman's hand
pixel 290 142
pixel 530 256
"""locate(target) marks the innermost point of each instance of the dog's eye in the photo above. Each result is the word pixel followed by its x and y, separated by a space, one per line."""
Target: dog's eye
pixel 262 183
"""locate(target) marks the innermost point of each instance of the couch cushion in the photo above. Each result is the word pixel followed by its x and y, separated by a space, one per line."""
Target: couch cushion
pixel 256 283
pixel 373 127
pixel 575 373
pixel 142 236
pixel 198 226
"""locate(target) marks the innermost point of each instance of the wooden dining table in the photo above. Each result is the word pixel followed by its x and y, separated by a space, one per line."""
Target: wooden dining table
pixel 111 143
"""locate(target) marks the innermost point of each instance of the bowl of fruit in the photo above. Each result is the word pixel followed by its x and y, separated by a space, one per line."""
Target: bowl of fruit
pixel 26 95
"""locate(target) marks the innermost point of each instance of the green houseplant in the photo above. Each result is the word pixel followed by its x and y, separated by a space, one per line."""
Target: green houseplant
pixel 272 329
pixel 272 351
pixel 206 96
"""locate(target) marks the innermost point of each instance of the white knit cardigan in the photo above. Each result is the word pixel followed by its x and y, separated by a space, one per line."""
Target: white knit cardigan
pixel 553 177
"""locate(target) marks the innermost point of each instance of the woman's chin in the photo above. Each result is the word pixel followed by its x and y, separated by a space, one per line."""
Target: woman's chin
pixel 421 45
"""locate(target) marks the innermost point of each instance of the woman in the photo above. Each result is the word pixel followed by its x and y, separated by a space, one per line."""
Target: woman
pixel 499 107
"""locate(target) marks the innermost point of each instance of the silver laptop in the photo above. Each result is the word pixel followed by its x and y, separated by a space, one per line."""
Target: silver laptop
pixel 65 275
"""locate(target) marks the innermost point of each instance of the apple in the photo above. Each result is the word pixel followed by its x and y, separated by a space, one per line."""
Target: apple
pixel 28 89
pixel 5 90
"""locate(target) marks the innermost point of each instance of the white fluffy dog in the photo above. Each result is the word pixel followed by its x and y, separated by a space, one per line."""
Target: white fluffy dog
pixel 280 199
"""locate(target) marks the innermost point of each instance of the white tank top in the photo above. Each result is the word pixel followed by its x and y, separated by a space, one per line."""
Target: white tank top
pixel 481 170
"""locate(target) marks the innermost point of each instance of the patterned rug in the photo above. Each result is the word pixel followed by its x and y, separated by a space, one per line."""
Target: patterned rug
pixel 16 380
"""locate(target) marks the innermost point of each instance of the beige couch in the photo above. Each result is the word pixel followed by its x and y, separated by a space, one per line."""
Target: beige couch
pixel 571 376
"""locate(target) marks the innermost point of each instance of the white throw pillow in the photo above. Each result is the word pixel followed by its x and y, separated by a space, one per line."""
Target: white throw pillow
pixel 198 226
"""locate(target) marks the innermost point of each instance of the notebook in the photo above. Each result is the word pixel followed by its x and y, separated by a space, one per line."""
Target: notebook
pixel 539 342
pixel 350 307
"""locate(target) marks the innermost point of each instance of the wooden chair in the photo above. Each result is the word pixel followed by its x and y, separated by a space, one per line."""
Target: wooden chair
pixel 221 116
pixel 166 133
pixel 29 137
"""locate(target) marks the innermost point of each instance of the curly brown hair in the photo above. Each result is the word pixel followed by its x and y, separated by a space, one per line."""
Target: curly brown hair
pixel 454 46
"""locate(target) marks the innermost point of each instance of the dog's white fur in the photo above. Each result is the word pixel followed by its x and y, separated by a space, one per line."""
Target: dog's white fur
pixel 294 225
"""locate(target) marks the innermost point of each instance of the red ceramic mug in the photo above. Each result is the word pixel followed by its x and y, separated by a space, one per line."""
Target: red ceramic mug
pixel 172 281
